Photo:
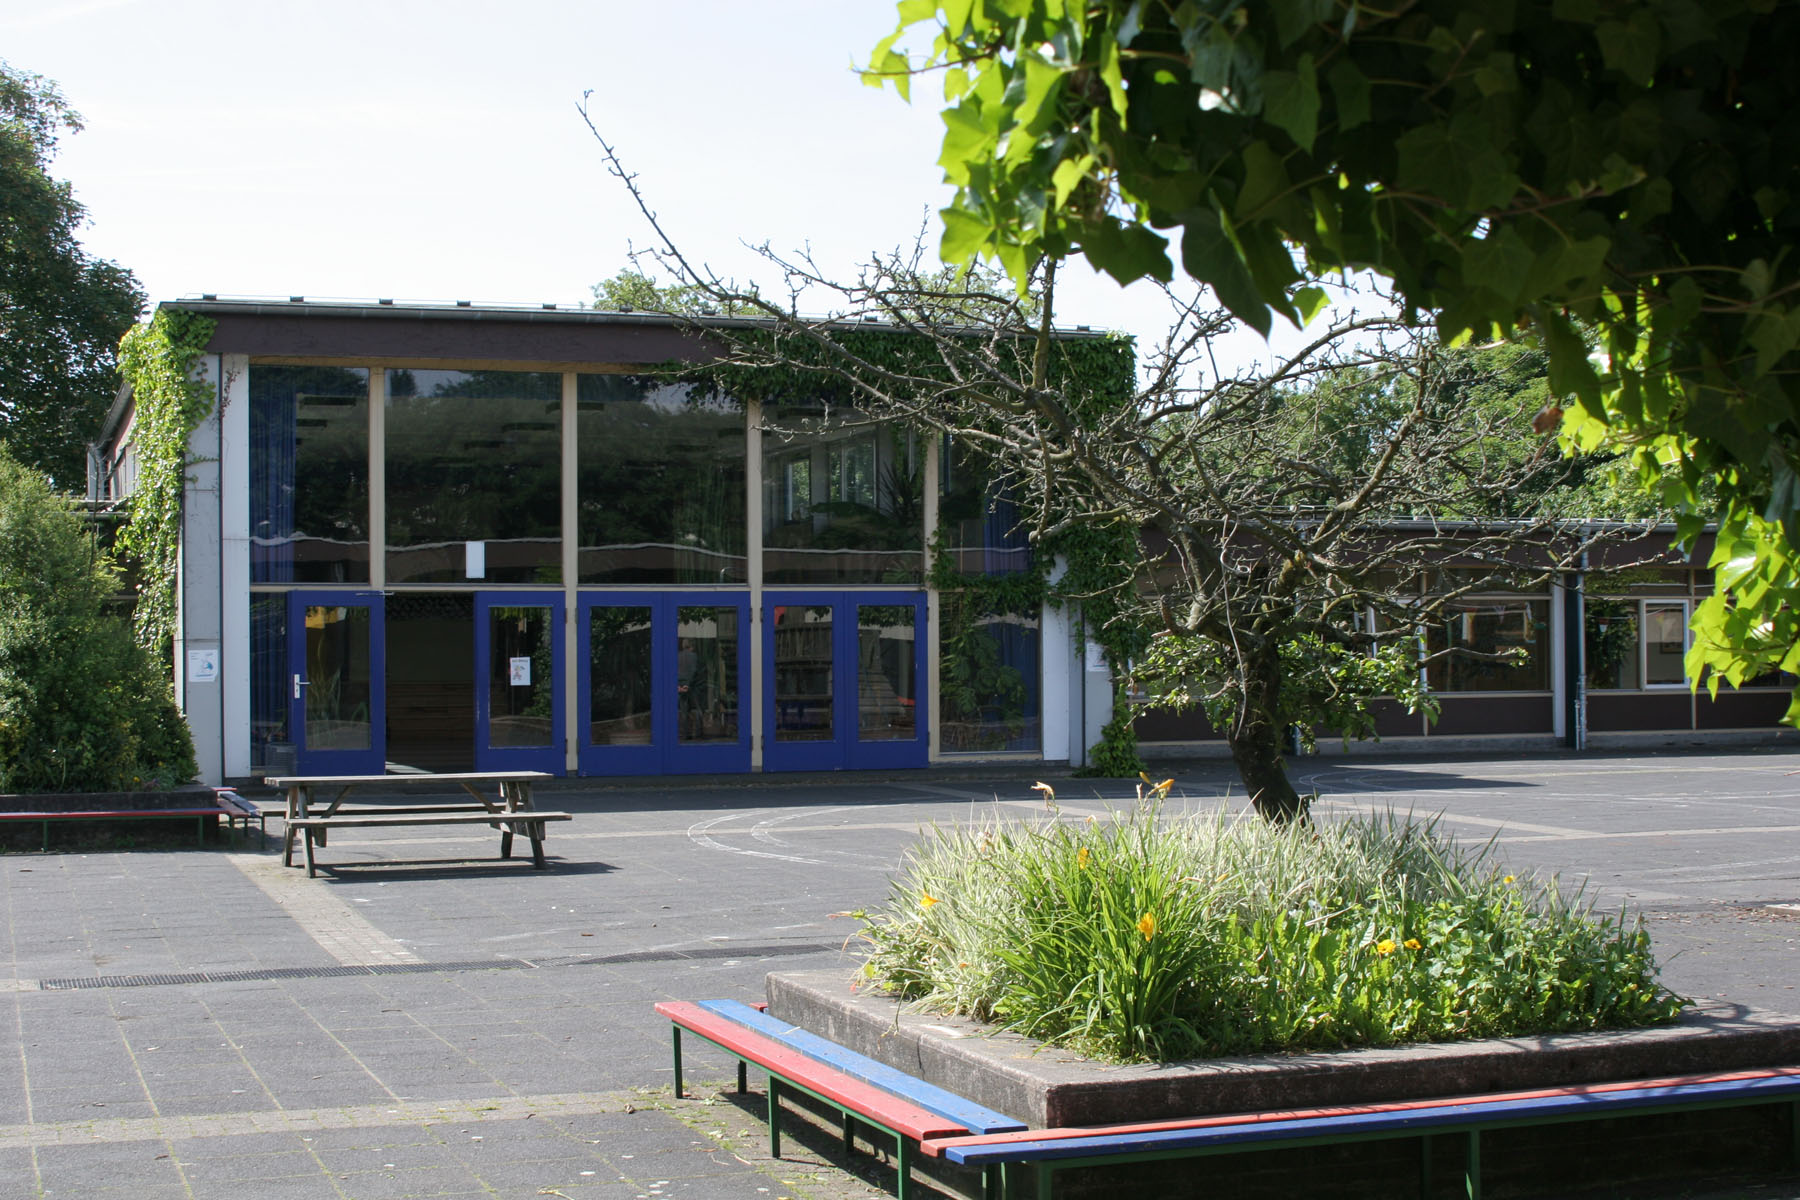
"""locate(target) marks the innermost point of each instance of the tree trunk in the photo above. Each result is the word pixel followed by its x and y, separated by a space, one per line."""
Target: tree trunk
pixel 1258 743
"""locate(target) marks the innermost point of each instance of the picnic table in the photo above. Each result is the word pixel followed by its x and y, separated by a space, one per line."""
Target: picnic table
pixel 501 799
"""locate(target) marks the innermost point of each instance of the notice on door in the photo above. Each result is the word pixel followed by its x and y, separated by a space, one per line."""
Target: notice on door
pixel 521 671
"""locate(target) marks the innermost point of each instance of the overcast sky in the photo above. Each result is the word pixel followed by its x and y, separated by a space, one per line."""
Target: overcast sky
pixel 432 149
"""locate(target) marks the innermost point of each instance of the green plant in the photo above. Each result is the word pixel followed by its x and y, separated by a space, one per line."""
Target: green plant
pixel 1115 755
pixel 1135 939
pixel 82 705
pixel 157 359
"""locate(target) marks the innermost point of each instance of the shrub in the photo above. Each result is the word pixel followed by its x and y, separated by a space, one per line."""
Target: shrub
pixel 1132 939
pixel 82 706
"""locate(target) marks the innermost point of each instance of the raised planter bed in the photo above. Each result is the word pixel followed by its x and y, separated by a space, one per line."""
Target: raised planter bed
pixel 191 796
pixel 1047 1088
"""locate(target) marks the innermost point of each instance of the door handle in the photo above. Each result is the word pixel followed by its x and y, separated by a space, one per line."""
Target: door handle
pixel 300 683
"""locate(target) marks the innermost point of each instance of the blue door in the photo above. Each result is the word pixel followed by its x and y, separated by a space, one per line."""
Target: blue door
pixel 844 680
pixel 661 683
pixel 337 683
pixel 518 682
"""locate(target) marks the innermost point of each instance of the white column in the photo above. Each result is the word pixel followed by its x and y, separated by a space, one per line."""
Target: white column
pixel 199 632
pixel 1057 655
pixel 234 564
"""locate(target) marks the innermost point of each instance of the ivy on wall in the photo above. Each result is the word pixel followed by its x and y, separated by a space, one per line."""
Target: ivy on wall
pixel 157 359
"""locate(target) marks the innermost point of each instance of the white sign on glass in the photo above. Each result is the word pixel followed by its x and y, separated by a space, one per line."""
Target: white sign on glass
pixel 475 560
pixel 521 671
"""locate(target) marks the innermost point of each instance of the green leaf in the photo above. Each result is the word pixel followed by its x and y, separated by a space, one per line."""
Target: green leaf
pixel 1294 17
pixel 1068 176
pixel 1500 263
pixel 1127 251
pixel 1350 89
pixel 1264 179
pixel 1291 101
pixel 1210 255
pixel 965 235
pixel 1571 374
pixel 1310 302
pixel 1632 46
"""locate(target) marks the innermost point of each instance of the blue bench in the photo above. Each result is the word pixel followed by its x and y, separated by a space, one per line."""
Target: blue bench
pixel 907 1109
pixel 1047 1151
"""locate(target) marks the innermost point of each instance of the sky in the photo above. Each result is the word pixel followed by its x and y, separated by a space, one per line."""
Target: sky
pixel 433 149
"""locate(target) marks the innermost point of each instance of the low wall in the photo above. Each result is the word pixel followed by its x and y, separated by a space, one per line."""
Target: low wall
pixel 192 796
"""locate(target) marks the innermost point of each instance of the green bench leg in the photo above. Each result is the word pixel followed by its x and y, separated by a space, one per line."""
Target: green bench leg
pixel 1425 1167
pixel 677 1030
pixel 743 1076
pixel 774 1118
pixel 903 1163
pixel 1472 1175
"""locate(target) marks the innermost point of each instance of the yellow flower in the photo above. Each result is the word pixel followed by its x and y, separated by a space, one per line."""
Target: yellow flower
pixel 1147 925
pixel 1508 879
pixel 926 900
pixel 1384 947
pixel 1081 858
pixel 1413 944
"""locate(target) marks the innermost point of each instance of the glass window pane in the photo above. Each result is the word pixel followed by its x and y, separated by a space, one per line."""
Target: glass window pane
pixel 982 531
pixel 521 676
pixel 309 475
pixel 1665 643
pixel 271 744
pixel 661 482
pixel 706 673
pixel 842 500
pixel 1611 647
pixel 619 676
pixel 887 685
pixel 338 678
pixel 1498 645
pixel 802 673
pixel 989 679
pixel 474 476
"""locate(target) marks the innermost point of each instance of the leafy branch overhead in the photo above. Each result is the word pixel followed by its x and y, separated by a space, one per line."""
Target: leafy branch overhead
pixel 1548 165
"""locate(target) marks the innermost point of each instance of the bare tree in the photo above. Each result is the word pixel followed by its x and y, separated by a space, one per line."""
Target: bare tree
pixel 1297 528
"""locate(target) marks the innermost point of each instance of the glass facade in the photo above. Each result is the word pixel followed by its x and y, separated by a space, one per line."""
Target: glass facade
pixel 661 482
pixel 843 500
pixel 309 474
pixel 474 477
pixel 706 674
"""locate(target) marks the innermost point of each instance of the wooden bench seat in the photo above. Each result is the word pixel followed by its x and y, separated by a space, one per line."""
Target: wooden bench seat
pixel 788 1067
pixel 1050 1150
pixel 530 822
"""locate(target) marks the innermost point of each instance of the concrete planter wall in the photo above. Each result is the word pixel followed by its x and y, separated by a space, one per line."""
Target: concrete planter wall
pixel 189 796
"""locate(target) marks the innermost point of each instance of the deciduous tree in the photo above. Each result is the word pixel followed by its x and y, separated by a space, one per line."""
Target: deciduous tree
pixel 1623 166
pixel 62 312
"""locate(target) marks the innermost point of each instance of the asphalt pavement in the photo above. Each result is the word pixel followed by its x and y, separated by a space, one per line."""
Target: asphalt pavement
pixel 425 1020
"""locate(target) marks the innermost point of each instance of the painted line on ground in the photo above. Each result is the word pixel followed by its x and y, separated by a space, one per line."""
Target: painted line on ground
pixel 338 929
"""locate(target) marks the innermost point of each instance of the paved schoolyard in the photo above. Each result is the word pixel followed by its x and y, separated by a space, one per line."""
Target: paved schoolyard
pixel 420 1021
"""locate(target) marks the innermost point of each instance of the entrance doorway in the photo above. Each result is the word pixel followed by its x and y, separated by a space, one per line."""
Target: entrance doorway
pixel 844 680
pixel 336 687
pixel 518 682
pixel 661 685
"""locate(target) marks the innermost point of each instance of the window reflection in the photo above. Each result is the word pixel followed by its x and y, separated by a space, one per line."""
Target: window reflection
pixel 1498 645
pixel 842 500
pixel 309 474
pixel 474 476
pixel 661 483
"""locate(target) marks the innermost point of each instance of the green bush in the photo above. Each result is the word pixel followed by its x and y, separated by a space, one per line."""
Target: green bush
pixel 82 706
pixel 1133 939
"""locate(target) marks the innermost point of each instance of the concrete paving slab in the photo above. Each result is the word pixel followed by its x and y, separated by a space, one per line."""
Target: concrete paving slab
pixel 529 992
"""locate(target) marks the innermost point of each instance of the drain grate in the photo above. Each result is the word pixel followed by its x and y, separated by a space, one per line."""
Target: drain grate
pixel 266 974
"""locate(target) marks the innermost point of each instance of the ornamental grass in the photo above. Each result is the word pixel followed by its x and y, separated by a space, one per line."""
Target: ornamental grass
pixel 1137 939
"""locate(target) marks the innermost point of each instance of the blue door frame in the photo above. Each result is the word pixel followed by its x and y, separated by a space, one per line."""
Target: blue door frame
pixel 846 748
pixel 664 751
pixel 330 756
pixel 521 743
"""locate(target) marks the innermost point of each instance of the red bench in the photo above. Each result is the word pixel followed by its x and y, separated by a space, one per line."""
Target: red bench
pixel 856 1100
